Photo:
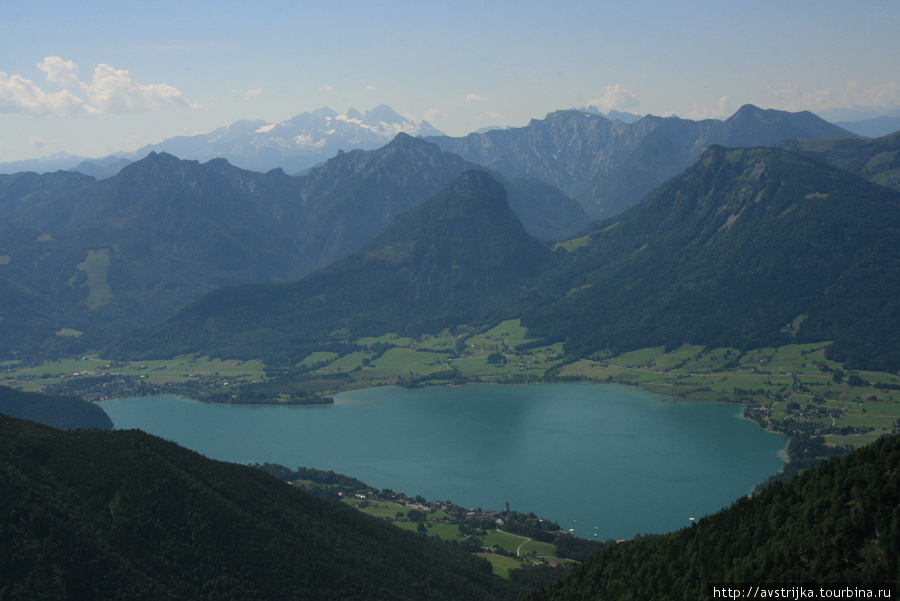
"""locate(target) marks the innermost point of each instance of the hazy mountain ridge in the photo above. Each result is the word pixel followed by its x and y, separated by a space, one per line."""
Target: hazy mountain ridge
pixel 456 258
pixel 295 144
pixel 875 127
pixel 877 159
pixel 610 166
pixel 729 253
pixel 103 257
pixel 99 257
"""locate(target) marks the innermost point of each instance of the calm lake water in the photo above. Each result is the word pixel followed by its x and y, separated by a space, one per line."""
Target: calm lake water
pixel 606 460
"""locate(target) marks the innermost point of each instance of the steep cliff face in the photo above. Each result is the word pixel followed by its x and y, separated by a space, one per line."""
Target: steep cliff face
pixel 609 166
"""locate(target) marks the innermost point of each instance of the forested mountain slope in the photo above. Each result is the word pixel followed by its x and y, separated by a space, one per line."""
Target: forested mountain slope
pixel 837 524
pixel 125 515
pixel 65 412
pixel 458 258
pixel 82 261
pixel 748 248
pixel 877 160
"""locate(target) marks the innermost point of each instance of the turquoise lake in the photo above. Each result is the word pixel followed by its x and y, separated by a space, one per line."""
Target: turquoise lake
pixel 606 460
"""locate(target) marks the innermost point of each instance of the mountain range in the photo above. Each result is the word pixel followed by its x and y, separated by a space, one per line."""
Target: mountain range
pixel 100 257
pixel 606 161
pixel 84 261
pixel 609 166
pixel 746 249
pixel 294 145
pixel 454 259
pixel 877 160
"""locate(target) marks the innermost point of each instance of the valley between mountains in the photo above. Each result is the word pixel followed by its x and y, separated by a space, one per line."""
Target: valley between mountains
pixel 396 265
pixel 754 261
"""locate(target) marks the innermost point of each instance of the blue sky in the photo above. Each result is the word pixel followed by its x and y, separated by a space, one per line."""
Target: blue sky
pixel 92 78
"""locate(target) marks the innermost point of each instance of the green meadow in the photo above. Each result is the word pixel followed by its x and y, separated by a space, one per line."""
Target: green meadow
pixel 794 385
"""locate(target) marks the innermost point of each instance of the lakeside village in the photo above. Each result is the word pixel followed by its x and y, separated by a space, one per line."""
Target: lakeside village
pixel 530 540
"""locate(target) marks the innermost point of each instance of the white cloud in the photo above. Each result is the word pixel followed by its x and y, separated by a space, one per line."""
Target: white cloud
pixel 111 91
pixel 38 142
pixel 59 71
pixel 474 98
pixel 114 91
pixel 492 116
pixel 792 98
pixel 432 114
pixel 248 94
pixel 720 110
pixel 326 89
pixel 20 95
pixel 614 97
pixel 371 88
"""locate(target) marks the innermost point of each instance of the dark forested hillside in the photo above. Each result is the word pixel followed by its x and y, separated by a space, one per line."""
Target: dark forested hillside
pixel 459 258
pixel 67 413
pixel 748 248
pixel 837 524
pixel 877 160
pixel 125 515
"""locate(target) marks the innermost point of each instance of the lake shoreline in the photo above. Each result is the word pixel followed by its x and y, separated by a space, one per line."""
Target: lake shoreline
pixel 483 445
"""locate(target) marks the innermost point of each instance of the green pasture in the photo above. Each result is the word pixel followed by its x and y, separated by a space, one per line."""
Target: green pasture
pixel 317 357
pixel 574 243
pixel 501 563
pixel 443 531
pixel 380 509
pixel 504 540
pixel 540 550
pixel 95 266
pixel 405 357
pixel 178 370
pixel 508 334
pixel 345 363
pixel 441 342
pixel 390 338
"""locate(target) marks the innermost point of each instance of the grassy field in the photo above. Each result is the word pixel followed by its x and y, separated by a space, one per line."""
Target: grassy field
pixel 180 371
pixel 511 551
pixel 95 266
pixel 793 385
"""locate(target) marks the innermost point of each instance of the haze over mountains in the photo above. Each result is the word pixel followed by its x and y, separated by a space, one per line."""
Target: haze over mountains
pixel 608 166
pixel 610 162
pixel 85 261
pixel 294 145
pixel 99 257
pixel 746 249
pixel 459 257
pixel 739 247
